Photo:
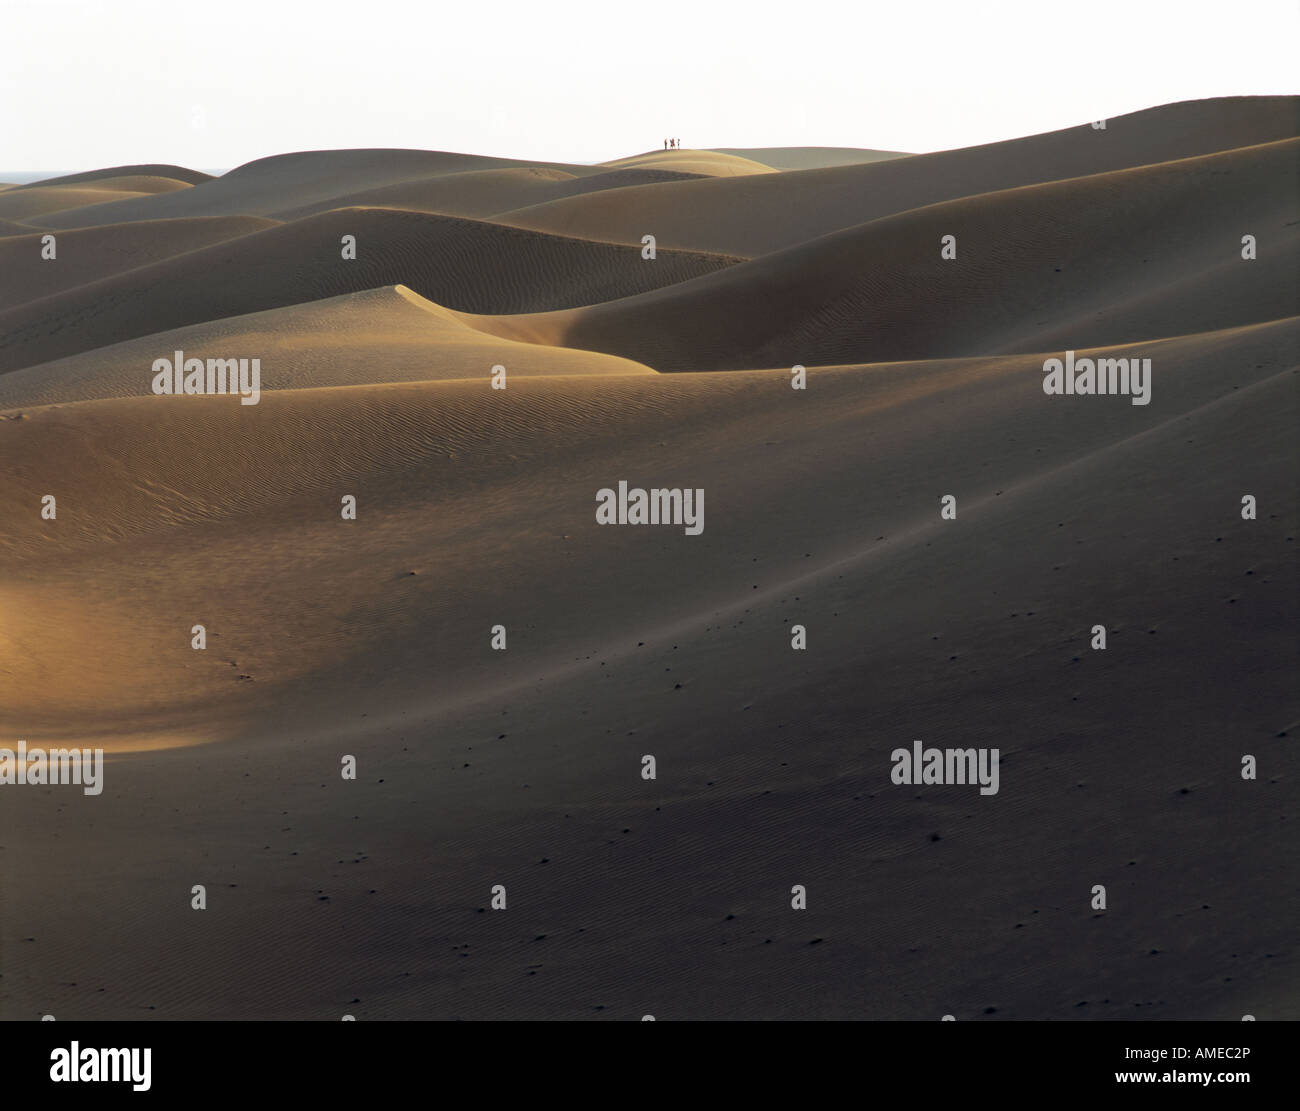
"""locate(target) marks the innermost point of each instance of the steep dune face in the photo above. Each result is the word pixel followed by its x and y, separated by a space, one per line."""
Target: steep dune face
pixel 378 335
pixel 1165 251
pixel 463 264
pixel 757 214
pixel 88 254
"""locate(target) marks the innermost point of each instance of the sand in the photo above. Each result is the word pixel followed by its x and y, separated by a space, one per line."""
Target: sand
pixel 760 213
pixel 512 271
pixel 85 255
pixel 321 343
pixel 475 507
pixel 1167 257
pixel 811 158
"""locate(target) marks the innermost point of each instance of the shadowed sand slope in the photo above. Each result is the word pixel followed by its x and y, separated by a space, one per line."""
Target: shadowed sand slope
pixel 379 335
pixel 1164 255
pixel 467 265
pixel 767 212
pixel 89 254
pixel 370 637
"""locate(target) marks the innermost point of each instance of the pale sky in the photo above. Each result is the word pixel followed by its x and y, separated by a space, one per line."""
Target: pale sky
pixel 92 83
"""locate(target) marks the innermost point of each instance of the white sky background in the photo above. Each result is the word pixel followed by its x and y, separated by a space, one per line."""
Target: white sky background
pixel 92 83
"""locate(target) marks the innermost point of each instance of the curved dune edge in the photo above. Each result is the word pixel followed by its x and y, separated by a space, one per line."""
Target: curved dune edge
pixel 123 183
pixel 481 194
pixel 757 214
pixel 43 202
pixel 303 179
pixel 470 193
pixel 182 174
pixel 471 265
pixel 389 334
pixel 185 511
pixel 1170 253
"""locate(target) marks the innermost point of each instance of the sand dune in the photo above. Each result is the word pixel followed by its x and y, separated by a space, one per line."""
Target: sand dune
pixel 372 638
pixel 45 201
pixel 304 182
pixel 704 163
pixel 811 158
pixel 379 335
pixel 1170 254
pixel 288 181
pixel 322 641
pixel 463 264
pixel 756 214
pixel 156 170
pixel 89 254
pixel 473 193
pixel 132 183
pixel 482 193
pixel 426 455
